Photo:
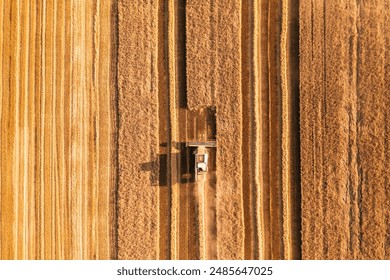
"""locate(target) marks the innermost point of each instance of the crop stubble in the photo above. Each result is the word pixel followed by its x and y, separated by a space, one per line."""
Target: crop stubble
pixel 56 130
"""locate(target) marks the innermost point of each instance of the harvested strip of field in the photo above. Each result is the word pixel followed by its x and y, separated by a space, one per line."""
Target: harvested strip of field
pixel 344 147
pixel 56 130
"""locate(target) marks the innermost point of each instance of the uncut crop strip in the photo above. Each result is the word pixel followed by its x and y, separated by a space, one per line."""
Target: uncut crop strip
pixel 227 86
pixel 56 122
pixel 343 129
pixel 200 53
pixel 138 135
pixel 373 95
pixel 387 129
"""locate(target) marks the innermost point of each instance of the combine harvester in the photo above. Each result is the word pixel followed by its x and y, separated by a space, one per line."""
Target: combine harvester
pixel 201 157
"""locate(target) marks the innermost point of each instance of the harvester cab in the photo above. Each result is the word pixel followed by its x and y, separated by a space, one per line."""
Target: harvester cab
pixel 201 157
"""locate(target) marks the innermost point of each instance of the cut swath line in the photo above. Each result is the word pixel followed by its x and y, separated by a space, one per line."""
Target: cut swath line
pixel 285 132
pixel 173 133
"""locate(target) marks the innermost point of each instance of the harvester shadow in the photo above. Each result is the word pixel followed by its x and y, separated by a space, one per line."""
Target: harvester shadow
pixel 156 168
pixel 160 171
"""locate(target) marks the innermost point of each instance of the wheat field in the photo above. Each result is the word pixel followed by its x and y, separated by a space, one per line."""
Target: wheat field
pixel 99 101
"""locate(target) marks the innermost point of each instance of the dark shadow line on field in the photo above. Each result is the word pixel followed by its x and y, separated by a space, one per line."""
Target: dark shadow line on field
pixel 181 52
pixel 158 176
pixel 293 41
pixel 115 133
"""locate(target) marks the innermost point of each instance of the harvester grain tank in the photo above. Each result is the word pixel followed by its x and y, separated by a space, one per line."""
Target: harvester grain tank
pixel 201 155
